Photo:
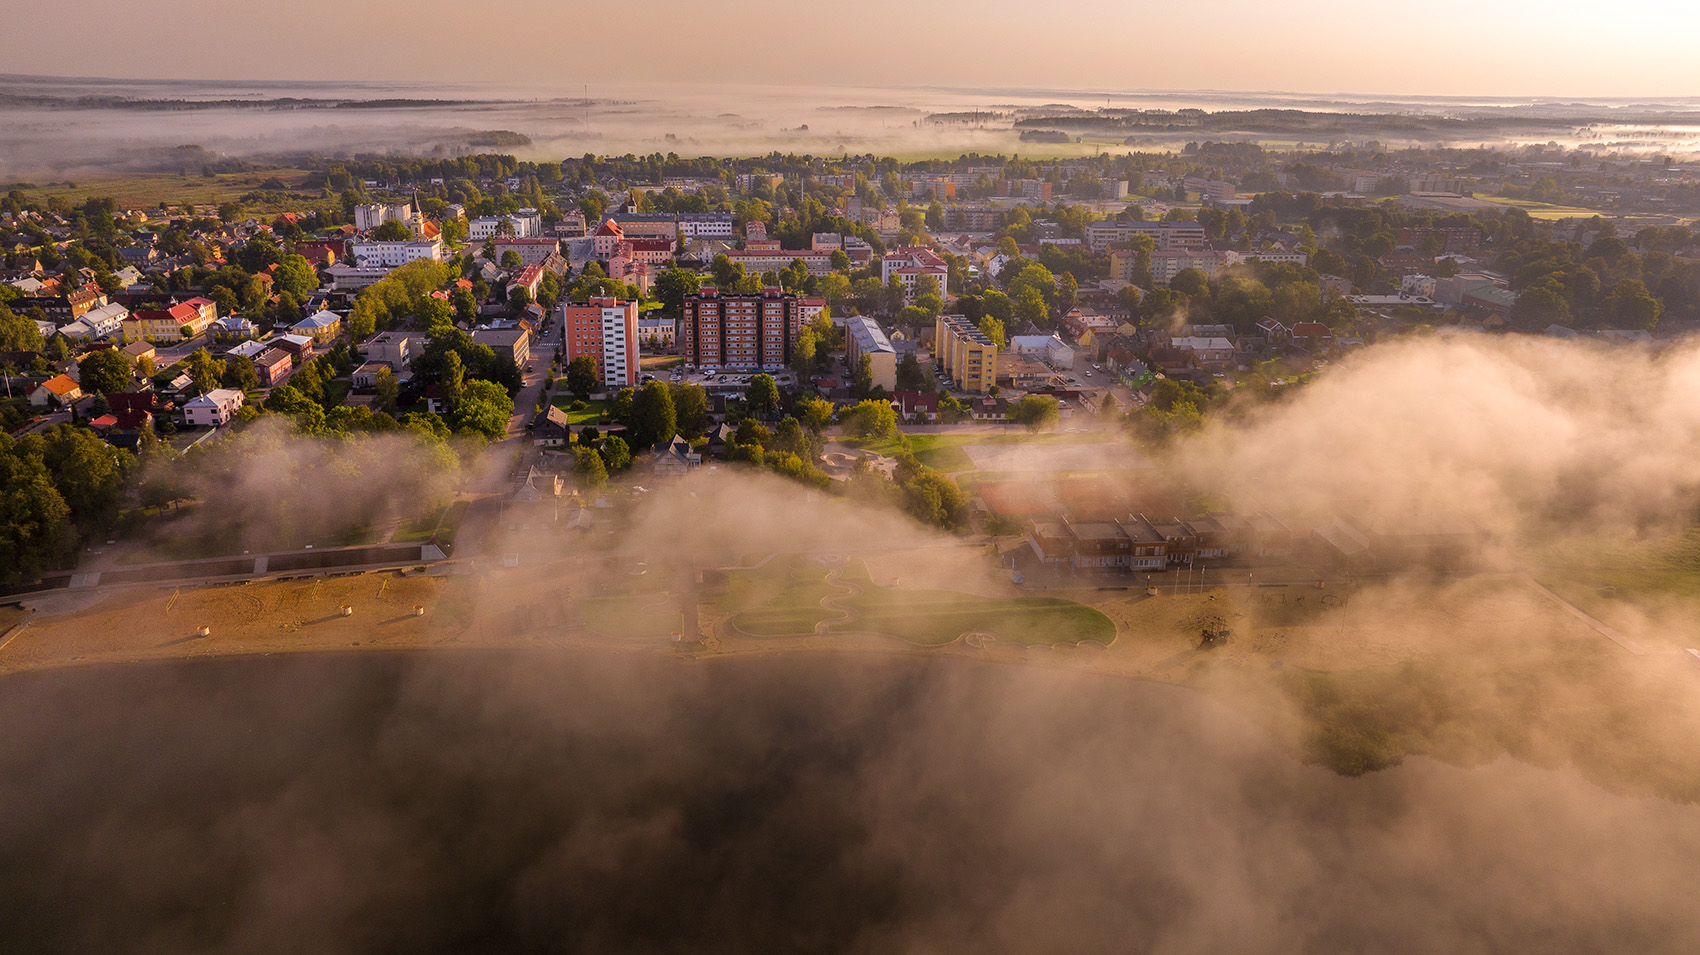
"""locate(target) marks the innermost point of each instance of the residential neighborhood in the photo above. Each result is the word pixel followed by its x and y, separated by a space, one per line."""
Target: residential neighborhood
pixel 620 321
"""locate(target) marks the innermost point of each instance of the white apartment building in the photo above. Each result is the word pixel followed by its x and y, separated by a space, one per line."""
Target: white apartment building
pixel 1300 257
pixel 910 264
pixel 526 224
pixel 1168 263
pixel 370 215
pixel 1167 235
pixel 390 255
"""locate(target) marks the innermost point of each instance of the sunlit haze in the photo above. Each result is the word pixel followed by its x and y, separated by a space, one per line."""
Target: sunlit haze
pixel 1494 47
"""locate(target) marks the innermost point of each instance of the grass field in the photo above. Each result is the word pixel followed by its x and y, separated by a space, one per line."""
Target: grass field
pixel 141 190
pixel 783 599
pixel 661 362
pixel 443 522
pixel 935 617
pixel 631 616
pixel 591 413
pixel 780 599
pixel 1546 210
pixel 944 451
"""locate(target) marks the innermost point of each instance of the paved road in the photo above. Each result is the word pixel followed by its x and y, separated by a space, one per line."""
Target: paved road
pixel 172 354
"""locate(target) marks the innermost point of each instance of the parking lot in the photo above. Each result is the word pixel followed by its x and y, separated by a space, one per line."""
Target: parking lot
pixel 728 380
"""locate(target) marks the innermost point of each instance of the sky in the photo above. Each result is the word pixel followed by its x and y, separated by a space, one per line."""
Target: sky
pixel 1557 48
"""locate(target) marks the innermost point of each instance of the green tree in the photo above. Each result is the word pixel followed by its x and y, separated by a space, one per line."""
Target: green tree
pixel 671 287
pixel 690 409
pixel 511 260
pixel 653 417
pixel 814 413
pixel 992 329
pixel 18 333
pixel 790 438
pixel 762 395
pixel 295 275
pixel 107 371
pixel 870 419
pixel 1628 304
pixel 35 525
pixel 616 454
pixel 862 377
pixel 239 373
pixel 484 408
pixel 581 376
pixel 204 370
pixel 388 390
pixel 393 230
pixel 87 472
pixel 1541 304
pixel 590 468
pixel 1030 306
pixel 803 354
pixel 1034 411
pixel 452 382
pixel 910 377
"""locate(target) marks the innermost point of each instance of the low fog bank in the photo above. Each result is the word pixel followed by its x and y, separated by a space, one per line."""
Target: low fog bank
pixel 1529 438
pixel 68 127
pixel 603 803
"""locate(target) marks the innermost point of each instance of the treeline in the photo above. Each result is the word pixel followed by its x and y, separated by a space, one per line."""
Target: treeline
pixel 58 489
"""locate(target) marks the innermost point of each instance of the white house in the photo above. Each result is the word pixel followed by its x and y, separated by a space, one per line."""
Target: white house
pixel 98 323
pixel 214 408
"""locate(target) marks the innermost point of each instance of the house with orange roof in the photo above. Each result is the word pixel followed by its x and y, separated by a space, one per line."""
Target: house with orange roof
pixel 56 392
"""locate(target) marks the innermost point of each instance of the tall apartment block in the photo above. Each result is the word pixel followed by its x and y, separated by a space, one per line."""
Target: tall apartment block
pixel 965 353
pixel 605 329
pixel 741 332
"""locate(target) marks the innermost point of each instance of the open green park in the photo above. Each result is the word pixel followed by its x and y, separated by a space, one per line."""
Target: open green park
pixel 945 452
pixel 795 596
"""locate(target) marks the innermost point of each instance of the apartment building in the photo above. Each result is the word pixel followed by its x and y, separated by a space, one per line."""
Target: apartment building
pixel 757 261
pixel 531 250
pixel 1168 235
pixel 526 224
pixel 179 322
pixel 1168 263
pixel 393 255
pixel 370 215
pixel 965 354
pixel 909 264
pixel 741 332
pixel 606 329
pixel 863 336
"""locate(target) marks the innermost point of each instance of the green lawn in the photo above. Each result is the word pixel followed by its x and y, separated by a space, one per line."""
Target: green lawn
pixel 591 413
pixel 444 522
pixel 944 451
pixel 631 616
pixel 1545 210
pixel 781 598
pixel 661 362
pixel 936 617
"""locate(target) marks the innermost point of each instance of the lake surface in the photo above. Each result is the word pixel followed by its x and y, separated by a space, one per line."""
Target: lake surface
pixel 597 802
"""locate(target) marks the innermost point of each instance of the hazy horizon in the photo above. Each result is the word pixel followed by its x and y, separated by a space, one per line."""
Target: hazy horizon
pixel 1092 44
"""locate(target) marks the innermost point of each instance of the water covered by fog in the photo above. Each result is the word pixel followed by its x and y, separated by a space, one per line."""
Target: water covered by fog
pixel 53 129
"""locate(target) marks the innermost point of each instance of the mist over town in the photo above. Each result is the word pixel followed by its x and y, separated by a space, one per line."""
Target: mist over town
pixel 989 503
